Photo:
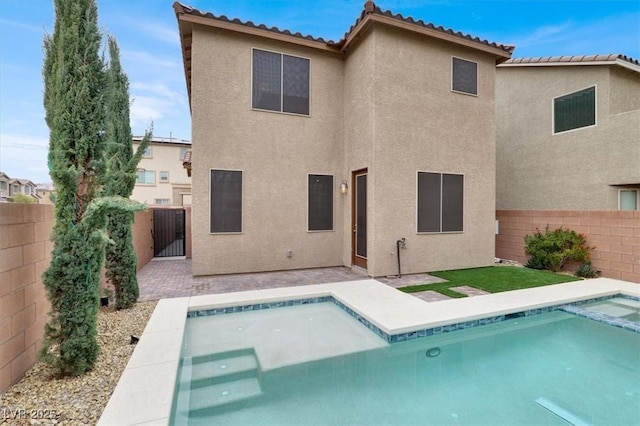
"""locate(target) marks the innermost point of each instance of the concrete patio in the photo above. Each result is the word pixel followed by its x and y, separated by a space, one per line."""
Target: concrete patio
pixel 171 277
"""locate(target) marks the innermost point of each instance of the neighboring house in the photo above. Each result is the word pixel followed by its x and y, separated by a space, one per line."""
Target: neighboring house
pixel 568 154
pixel 11 186
pixel 4 187
pixel 161 178
pixel 311 153
pixel 46 192
pixel 568 133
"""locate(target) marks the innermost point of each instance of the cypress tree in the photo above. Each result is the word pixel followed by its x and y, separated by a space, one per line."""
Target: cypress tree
pixel 74 83
pixel 121 261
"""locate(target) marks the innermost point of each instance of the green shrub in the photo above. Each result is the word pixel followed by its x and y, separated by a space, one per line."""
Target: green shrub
pixel 553 248
pixel 22 198
pixel 586 271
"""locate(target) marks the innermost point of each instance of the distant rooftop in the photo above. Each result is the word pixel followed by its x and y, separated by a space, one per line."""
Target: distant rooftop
pixel 158 139
pixel 542 61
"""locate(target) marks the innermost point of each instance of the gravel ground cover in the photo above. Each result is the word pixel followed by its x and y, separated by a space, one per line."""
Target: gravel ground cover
pixel 39 399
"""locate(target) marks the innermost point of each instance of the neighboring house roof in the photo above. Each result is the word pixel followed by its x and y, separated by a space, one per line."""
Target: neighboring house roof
pixel 22 182
pixel 160 140
pixel 371 14
pixel 547 61
pixel 186 162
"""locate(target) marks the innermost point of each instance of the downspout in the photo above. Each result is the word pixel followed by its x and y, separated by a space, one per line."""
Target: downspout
pixel 401 243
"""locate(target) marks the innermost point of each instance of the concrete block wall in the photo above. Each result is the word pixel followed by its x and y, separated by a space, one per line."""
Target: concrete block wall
pixel 25 253
pixel 615 235
pixel 143 237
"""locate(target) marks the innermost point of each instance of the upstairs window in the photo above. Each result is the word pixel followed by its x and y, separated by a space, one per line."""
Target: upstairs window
pixel 183 152
pixel 464 76
pixel 320 203
pixel 148 153
pixel 146 177
pixel 440 202
pixel 575 110
pixel 226 201
pixel 280 82
pixel 164 177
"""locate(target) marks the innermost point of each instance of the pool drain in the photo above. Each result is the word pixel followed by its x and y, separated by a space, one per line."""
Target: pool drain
pixel 433 352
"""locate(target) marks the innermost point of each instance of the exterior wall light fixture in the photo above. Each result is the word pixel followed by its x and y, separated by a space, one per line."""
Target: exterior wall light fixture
pixel 344 187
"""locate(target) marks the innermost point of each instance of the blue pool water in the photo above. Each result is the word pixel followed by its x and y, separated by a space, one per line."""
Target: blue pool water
pixel 554 368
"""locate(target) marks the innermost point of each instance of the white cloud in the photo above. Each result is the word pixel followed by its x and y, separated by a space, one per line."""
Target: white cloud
pixel 23 156
pixel 22 25
pixel 546 34
pixel 146 109
pixel 159 31
pixel 158 88
pixel 149 60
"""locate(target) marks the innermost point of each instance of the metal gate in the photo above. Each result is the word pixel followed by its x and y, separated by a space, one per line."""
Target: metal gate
pixel 168 232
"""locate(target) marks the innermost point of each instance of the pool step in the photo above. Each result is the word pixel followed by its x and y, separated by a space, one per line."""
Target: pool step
pixel 217 380
pixel 207 397
pixel 220 370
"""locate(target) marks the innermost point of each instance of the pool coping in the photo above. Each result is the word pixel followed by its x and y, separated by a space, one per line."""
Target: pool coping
pixel 144 393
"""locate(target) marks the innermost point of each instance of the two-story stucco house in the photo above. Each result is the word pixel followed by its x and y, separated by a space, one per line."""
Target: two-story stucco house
pixel 311 153
pixel 568 133
pixel 161 177
pixel 568 154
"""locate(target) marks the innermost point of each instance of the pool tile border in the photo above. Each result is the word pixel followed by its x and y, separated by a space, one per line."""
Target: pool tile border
pixel 572 308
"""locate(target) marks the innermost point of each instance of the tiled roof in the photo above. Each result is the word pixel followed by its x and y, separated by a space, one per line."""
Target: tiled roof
pixel 188 10
pixel 187 157
pixel 369 9
pixel 612 59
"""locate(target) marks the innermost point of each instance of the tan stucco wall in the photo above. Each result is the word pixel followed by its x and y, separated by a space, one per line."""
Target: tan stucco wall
pixel 366 112
pixel 165 157
pixel 572 170
pixel 421 125
pixel 275 151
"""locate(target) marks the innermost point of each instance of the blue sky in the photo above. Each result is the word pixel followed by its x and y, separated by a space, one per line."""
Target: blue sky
pixel 146 31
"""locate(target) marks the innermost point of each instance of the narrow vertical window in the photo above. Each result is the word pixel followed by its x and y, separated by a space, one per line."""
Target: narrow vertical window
pixel 320 203
pixel 464 76
pixel 226 201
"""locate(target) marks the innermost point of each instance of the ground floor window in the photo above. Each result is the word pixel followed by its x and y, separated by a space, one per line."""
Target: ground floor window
pixel 440 202
pixel 162 201
pixel 628 199
pixel 320 203
pixel 226 201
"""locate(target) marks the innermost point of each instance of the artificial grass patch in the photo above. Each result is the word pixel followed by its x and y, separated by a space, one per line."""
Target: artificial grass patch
pixel 492 279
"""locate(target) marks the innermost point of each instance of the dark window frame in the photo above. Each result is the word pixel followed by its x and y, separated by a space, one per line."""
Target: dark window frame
pixel 317 222
pixel 566 96
pixel 453 77
pixel 282 94
pixel 445 200
pixel 227 228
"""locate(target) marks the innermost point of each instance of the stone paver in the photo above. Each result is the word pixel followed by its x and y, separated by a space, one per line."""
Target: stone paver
pixel 469 291
pixel 171 277
pixel 430 296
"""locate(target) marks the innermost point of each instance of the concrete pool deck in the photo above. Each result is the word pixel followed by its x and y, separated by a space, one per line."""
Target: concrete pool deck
pixel 145 390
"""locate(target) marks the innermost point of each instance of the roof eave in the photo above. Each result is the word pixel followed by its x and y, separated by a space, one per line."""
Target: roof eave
pixel 370 18
pixel 617 62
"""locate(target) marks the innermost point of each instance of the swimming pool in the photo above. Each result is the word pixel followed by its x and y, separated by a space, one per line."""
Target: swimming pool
pixel 542 369
pixel 145 390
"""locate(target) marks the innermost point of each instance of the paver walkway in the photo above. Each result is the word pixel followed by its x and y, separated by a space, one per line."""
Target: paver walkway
pixel 166 277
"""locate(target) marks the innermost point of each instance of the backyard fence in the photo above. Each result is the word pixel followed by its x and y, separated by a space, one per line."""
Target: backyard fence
pixel 615 235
